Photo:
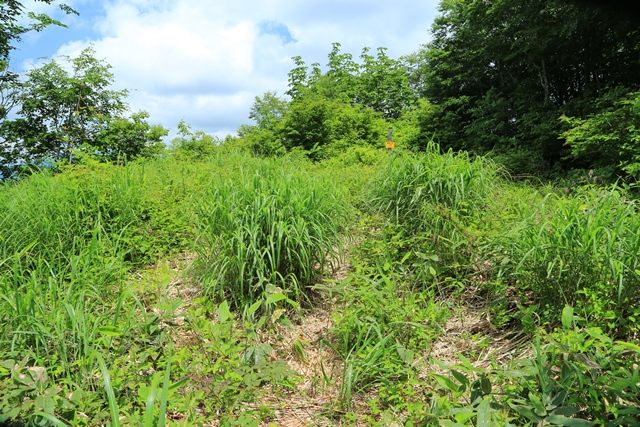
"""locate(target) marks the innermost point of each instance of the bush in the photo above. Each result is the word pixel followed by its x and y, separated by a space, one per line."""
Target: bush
pixel 325 128
pixel 611 137
pixel 521 160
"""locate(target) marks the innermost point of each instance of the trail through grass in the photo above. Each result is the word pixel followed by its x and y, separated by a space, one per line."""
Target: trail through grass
pixel 212 293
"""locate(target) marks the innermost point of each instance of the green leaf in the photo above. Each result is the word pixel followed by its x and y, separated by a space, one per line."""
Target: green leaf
pixel 223 312
pixel 52 419
pixel 275 298
pixel 254 307
pixel 164 397
pixel 628 346
pixel 567 317
pixel 110 331
pixel 484 414
pixel 46 404
pixel 113 404
pixel 485 384
pixel 446 383
pixel 460 377
pixel 561 420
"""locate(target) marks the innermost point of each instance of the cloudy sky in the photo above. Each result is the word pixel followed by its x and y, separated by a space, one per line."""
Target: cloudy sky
pixel 204 61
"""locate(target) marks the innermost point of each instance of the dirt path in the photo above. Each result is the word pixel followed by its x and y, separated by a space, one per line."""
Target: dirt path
pixel 306 347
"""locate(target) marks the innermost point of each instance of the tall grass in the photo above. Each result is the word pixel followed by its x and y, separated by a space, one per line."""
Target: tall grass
pixel 582 250
pixel 410 188
pixel 271 226
pixel 431 197
pixel 67 243
pixel 546 248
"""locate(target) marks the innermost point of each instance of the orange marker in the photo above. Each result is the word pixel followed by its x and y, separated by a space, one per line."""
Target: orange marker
pixel 390 144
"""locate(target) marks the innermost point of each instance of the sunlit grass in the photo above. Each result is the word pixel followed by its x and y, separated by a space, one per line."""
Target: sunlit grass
pixel 272 226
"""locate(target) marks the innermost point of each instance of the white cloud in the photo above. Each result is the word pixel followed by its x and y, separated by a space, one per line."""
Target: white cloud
pixel 205 60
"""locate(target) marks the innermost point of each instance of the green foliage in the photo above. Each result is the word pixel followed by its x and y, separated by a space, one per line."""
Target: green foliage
pixel 15 21
pixel 379 83
pixel 358 155
pixel 382 328
pixel 577 378
pixel 521 161
pixel 66 107
pixel 383 84
pixel 91 332
pixel 66 246
pixel 347 106
pixel 305 125
pixel 128 138
pixel 325 128
pixel 583 251
pixel 66 243
pixel 499 74
pixel 580 249
pixel 193 145
pixel 265 138
pixel 262 142
pixel 268 110
pixel 609 138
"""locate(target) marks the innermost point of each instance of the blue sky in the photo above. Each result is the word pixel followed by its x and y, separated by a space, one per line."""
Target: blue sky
pixel 204 61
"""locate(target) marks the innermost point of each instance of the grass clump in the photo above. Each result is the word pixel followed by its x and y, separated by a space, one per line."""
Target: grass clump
pixel 411 188
pixel 582 250
pixel 270 227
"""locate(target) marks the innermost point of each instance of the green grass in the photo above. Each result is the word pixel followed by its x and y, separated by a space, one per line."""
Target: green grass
pixel 583 251
pixel 70 244
pixel 66 247
pixel 268 227
pixel 446 220
pixel 91 332
pixel 410 187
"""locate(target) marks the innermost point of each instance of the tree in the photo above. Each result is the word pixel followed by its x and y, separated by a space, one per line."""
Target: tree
pixel 499 73
pixel 383 84
pixel 265 137
pixel 609 139
pixel 11 30
pixel 122 138
pixel 61 110
pixel 324 127
pixel 72 105
pixel 267 110
pixel 193 145
pixel 69 107
pixel 380 83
